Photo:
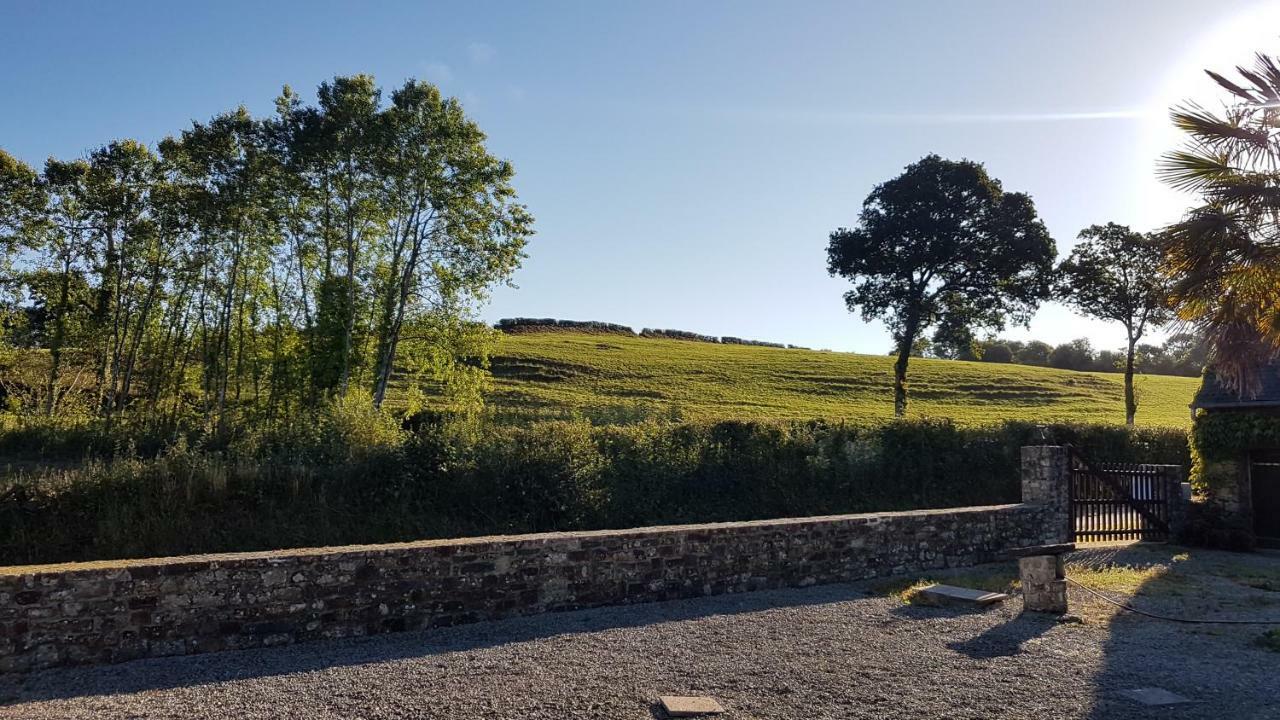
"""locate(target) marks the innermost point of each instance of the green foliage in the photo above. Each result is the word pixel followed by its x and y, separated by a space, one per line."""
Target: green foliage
pixel 997 353
pixel 1221 440
pixel 1230 435
pixel 256 266
pixel 1220 445
pixel 327 358
pixel 345 475
pixel 1181 354
pixel 943 244
pixel 1035 353
pixel 1270 640
pixel 1223 251
pixel 1114 273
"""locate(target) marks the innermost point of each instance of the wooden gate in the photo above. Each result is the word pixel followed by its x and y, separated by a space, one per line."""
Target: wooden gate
pixel 1122 501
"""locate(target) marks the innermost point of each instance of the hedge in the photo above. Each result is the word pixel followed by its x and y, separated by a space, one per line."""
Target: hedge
pixel 437 482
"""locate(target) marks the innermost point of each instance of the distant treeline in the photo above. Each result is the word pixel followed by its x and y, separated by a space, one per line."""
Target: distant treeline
pixel 515 325
pixel 1182 354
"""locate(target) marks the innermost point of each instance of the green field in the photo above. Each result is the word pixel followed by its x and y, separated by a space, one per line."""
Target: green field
pixel 615 377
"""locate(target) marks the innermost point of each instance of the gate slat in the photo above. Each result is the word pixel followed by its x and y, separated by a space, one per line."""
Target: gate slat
pixel 1120 501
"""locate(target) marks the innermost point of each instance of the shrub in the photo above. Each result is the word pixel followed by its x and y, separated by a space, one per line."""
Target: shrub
pixel 349 475
pixel 997 353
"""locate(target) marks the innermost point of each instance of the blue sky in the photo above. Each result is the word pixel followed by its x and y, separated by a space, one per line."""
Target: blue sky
pixel 685 161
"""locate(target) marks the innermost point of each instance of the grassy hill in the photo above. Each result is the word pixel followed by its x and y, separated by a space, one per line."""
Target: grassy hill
pixel 616 377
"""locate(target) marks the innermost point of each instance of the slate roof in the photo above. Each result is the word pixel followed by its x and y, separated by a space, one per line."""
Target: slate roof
pixel 1213 394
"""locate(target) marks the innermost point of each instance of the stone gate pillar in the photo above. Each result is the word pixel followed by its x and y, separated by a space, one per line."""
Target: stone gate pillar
pixel 1046 481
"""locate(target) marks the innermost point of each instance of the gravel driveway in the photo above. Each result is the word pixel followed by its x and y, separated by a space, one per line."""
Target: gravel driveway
pixel 843 651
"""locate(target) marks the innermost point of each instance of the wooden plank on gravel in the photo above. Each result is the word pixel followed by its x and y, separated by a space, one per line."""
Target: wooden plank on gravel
pixel 943 594
pixel 684 706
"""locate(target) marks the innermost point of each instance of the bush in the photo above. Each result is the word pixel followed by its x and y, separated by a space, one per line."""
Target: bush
pixel 349 476
pixel 997 353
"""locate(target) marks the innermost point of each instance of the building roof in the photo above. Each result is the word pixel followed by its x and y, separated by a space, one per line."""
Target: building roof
pixel 1213 394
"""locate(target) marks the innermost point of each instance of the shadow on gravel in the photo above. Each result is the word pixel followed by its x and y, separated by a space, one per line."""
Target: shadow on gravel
pixel 1001 640
pixel 1005 639
pixel 187 670
pixel 1219 670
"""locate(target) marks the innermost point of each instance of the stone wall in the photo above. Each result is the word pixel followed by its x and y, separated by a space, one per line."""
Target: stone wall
pixel 115 611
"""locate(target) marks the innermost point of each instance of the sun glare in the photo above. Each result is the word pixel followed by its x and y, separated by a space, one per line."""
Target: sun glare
pixel 1220 48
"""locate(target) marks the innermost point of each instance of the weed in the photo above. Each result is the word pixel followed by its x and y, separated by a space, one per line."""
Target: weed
pixel 1270 640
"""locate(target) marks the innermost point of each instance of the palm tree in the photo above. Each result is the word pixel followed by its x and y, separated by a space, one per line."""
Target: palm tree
pixel 1225 252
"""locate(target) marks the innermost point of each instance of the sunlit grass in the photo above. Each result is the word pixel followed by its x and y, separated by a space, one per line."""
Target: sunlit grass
pixel 619 377
pixel 1118 578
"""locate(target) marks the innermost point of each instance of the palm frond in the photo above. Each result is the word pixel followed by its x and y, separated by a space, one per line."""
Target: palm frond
pixel 1213 131
pixel 1263 87
pixel 1243 93
pixel 1192 171
pixel 1223 256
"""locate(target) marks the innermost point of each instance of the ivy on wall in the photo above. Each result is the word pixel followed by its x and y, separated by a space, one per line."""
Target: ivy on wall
pixel 1220 446
pixel 1220 443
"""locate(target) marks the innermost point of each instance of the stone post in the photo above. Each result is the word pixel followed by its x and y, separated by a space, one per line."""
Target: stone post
pixel 1179 504
pixel 1046 481
pixel 1044 585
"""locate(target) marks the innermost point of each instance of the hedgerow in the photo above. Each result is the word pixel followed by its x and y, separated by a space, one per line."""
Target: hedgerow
pixel 444 480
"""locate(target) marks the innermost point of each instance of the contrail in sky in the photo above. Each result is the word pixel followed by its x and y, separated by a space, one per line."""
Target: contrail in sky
pixel 948 118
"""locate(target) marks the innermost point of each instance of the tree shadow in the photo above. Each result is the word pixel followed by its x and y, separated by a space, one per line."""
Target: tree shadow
pixel 1219 669
pixel 1001 640
pixel 1005 639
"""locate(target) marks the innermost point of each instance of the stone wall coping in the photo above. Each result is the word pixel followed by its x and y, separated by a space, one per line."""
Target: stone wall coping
pixel 191 562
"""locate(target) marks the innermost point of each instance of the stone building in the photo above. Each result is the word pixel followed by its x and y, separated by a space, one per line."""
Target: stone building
pixel 1235 445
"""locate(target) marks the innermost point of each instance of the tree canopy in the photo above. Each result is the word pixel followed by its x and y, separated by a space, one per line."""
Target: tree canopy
pixel 943 245
pixel 258 264
pixel 1114 273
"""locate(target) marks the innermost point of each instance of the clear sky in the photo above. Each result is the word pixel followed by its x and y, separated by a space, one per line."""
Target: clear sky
pixel 685 161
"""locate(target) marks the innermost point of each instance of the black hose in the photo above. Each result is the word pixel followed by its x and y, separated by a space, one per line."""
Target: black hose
pixel 1187 621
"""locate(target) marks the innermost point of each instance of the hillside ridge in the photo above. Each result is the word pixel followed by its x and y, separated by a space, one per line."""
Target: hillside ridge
pixel 616 376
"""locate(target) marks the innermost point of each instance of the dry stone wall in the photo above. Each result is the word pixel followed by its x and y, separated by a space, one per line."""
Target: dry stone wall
pixel 116 611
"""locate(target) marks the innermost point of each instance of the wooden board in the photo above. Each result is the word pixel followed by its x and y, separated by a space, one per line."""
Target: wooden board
pixel 689 706
pixel 944 594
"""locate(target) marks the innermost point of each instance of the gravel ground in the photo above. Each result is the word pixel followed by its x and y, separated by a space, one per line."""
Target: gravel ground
pixel 843 651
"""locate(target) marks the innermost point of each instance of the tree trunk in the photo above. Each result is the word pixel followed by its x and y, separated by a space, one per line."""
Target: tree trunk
pixel 900 379
pixel 59 337
pixel 905 341
pixel 1130 399
pixel 397 298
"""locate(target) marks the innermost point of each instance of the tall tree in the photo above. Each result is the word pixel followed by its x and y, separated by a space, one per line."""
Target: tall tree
pixel 1114 273
pixel 455 228
pixel 1225 252
pixel 23 204
pixel 255 265
pixel 943 244
pixel 23 225
pixel 113 189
